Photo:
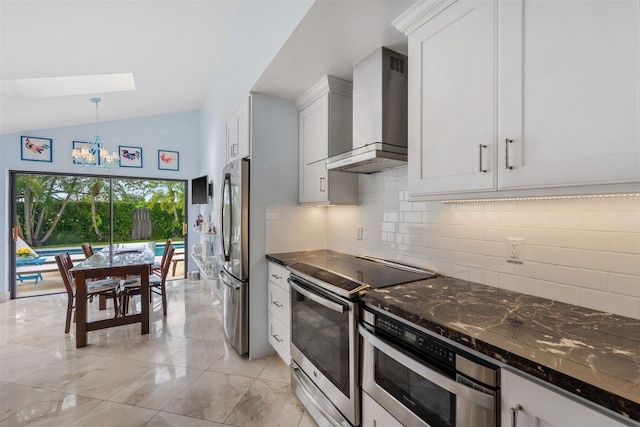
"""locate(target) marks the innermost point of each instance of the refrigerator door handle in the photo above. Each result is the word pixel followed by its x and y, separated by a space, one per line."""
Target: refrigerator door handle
pixel 226 234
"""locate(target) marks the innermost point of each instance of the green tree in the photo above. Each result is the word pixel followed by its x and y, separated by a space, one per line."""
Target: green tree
pixel 41 214
pixel 169 197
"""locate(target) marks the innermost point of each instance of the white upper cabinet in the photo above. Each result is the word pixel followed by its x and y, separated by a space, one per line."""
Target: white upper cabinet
pixel 325 129
pixel 314 137
pixel 452 105
pixel 239 132
pixel 523 97
pixel 568 98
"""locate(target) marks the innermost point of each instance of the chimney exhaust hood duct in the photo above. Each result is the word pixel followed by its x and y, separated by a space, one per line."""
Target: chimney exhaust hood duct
pixel 379 115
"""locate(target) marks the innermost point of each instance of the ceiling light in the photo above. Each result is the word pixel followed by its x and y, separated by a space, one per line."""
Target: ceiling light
pixel 93 153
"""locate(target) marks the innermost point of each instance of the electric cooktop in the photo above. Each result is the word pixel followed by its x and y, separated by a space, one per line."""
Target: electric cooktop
pixel 348 275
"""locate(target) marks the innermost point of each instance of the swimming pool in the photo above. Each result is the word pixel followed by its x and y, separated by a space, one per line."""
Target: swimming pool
pixel 78 251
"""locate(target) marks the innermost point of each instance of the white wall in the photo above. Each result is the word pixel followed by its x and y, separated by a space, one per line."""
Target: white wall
pixel 178 132
pixel 584 252
pixel 259 33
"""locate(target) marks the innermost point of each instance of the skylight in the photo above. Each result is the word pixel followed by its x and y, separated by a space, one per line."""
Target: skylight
pixel 49 87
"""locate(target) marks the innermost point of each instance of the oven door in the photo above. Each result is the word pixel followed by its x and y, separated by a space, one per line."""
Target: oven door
pixel 324 344
pixel 416 394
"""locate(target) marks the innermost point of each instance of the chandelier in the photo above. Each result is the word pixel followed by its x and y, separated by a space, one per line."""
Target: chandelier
pixel 93 153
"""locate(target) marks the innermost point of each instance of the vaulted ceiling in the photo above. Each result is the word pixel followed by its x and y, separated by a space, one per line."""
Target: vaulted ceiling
pixel 173 49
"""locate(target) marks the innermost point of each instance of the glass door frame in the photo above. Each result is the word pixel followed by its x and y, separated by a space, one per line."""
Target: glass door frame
pixel 13 192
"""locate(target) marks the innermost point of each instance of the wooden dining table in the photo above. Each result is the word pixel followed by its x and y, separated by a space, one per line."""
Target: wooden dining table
pixel 117 261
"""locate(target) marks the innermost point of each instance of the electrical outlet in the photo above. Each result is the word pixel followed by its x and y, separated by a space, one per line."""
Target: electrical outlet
pixel 515 248
pixel 359 232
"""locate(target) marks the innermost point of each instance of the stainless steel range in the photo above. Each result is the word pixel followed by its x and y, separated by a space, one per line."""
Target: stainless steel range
pixel 324 336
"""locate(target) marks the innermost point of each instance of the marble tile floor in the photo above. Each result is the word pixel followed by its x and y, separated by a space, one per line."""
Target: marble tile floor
pixel 184 373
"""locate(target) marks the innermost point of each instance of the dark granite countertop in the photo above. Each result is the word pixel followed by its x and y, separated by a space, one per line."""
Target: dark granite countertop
pixel 589 353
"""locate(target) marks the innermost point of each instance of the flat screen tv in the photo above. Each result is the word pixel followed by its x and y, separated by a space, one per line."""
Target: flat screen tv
pixel 200 191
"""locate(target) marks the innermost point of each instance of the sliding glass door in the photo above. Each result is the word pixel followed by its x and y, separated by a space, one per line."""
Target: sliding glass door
pixel 56 213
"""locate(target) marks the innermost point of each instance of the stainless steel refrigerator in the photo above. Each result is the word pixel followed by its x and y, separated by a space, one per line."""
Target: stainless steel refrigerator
pixel 235 253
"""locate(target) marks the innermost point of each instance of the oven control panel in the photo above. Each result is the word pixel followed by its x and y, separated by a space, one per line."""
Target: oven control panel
pixel 417 340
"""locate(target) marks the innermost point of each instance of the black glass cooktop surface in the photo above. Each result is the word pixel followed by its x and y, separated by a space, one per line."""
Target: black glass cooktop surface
pixel 347 275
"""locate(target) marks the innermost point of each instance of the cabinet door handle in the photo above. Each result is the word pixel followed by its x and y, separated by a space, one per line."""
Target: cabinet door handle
pixel 514 414
pixel 481 147
pixel 275 337
pixel 507 141
pixel 323 186
pixel 276 276
pixel 277 304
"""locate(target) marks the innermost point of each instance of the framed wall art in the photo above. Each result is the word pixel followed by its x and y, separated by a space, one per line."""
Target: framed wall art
pixel 168 160
pixel 130 157
pixel 79 145
pixel 36 149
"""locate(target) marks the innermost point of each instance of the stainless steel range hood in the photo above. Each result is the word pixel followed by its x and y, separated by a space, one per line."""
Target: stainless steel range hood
pixel 379 115
pixel 371 158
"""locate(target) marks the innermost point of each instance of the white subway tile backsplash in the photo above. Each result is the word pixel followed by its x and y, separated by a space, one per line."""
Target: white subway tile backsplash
pixel 624 284
pixel 579 251
pixel 389 227
pixel 419 206
pixel 391 216
pixel 598 204
pixel 628 204
pixel 512 282
pixel 470 232
pixel 558 220
pixel 552 255
pixel 593 240
pixel 558 292
pixel 612 262
pixel 591 279
pixel 625 242
pixel 483 276
pixel 412 217
pixel 535 270
pixel 540 236
pixel 612 303
pixel 517 218
pixel 612 221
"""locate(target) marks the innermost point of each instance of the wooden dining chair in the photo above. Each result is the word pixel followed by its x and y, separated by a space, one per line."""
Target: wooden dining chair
pixel 104 287
pixel 157 266
pixel 87 250
pixel 156 285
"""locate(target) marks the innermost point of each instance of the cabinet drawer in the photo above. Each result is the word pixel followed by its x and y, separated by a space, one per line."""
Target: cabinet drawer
pixel 279 303
pixel 374 415
pixel 280 339
pixel 278 275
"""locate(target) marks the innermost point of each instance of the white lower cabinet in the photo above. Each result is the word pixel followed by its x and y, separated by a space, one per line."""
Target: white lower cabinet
pixel 526 403
pixel 279 312
pixel 374 415
pixel 280 338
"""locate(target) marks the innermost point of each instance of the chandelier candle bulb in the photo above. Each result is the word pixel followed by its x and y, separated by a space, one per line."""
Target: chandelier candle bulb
pixel 93 153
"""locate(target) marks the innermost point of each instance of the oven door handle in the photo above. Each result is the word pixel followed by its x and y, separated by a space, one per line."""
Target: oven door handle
pixel 316 298
pixel 479 398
